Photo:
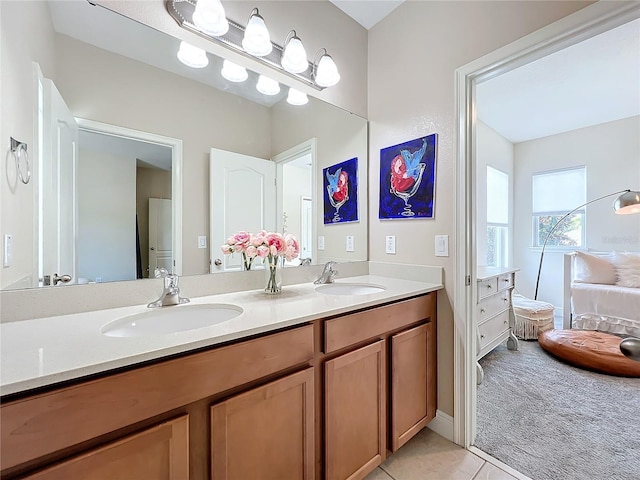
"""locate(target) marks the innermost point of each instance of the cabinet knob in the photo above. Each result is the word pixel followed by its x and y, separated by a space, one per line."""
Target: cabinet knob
pixel 482 310
pixel 505 322
pixel 481 336
pixel 505 299
pixel 489 286
pixel 505 280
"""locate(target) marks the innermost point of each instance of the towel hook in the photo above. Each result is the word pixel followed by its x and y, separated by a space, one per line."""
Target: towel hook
pixel 19 151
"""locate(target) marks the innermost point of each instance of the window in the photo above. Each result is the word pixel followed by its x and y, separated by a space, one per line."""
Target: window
pixel 497 217
pixel 554 195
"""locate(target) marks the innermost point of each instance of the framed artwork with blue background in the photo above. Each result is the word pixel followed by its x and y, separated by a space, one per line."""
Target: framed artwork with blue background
pixel 340 182
pixel 407 179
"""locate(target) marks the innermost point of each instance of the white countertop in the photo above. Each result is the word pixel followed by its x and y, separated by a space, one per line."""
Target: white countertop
pixel 45 351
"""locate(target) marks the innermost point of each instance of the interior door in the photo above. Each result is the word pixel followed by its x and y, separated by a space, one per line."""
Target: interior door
pixel 160 244
pixel 306 222
pixel 58 186
pixel 243 198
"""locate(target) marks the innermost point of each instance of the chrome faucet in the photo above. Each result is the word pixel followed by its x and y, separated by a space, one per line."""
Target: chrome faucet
pixel 170 293
pixel 327 274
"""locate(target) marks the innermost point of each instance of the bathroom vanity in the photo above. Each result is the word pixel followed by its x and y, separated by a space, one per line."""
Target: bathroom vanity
pixel 326 392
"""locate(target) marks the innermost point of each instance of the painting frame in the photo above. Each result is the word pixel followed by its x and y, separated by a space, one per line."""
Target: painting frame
pixel 340 192
pixel 408 179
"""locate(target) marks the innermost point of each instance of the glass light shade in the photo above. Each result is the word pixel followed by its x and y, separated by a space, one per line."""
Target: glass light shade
pixel 209 16
pixel 294 56
pixel 267 86
pixel 296 97
pixel 326 72
pixel 256 39
pixel 627 203
pixel 191 56
pixel 233 72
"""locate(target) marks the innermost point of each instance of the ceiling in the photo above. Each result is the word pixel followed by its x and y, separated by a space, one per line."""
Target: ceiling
pixel 592 82
pixel 367 12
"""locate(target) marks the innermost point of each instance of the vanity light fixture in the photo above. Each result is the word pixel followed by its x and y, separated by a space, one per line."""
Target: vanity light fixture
pixel 267 86
pixel 296 97
pixel 233 72
pixel 209 16
pixel 325 71
pixel 294 56
pixel 192 56
pixel 256 40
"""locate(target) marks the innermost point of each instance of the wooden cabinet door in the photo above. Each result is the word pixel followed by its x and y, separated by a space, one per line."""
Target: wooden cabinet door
pixel 266 433
pixel 411 383
pixel 159 453
pixel 355 418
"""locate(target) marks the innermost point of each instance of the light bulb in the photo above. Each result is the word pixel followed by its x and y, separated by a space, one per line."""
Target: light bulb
pixel 296 97
pixel 233 72
pixel 256 39
pixel 326 72
pixel 191 56
pixel 267 86
pixel 210 18
pixel 294 56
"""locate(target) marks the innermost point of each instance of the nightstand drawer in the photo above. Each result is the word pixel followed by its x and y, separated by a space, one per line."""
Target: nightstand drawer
pixel 492 328
pixel 487 287
pixel 489 307
pixel 505 281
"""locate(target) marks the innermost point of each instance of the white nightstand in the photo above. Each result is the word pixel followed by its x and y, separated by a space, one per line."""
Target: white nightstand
pixel 494 313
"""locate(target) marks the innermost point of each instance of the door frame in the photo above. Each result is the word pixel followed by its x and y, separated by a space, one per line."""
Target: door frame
pixel 176 174
pixel 579 26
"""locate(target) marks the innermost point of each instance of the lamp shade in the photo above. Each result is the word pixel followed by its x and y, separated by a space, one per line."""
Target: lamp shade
pixel 191 56
pixel 627 203
pixel 233 72
pixel 294 56
pixel 209 16
pixel 256 40
pixel 296 97
pixel 326 72
pixel 267 86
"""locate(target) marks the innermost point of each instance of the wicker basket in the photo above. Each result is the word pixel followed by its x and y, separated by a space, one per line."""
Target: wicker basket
pixel 532 317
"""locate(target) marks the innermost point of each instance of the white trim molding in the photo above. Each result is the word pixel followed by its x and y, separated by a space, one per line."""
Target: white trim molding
pixel 586 23
pixel 442 425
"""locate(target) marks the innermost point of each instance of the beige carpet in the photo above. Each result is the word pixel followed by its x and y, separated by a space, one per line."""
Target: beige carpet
pixel 552 421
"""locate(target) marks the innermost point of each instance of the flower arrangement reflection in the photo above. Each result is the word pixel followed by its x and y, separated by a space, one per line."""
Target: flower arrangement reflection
pixel 270 247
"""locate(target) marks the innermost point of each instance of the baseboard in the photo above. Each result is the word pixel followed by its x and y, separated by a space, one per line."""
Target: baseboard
pixel 442 425
pixel 497 463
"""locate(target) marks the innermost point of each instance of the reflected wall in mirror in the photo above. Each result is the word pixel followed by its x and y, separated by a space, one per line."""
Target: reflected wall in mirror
pixel 112 70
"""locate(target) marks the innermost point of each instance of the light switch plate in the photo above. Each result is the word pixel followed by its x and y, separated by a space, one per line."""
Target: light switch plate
pixel 202 241
pixel 350 243
pixel 7 250
pixel 390 244
pixel 320 242
pixel 442 245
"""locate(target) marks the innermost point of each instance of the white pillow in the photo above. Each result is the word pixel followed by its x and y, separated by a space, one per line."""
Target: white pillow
pixel 627 267
pixel 594 269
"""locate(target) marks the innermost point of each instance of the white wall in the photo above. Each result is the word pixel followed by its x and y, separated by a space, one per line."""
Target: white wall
pixel 18 102
pixel 611 153
pixel 493 150
pixel 106 243
pixel 413 54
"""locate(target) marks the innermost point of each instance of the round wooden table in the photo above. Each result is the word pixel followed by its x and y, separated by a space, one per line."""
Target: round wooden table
pixel 597 351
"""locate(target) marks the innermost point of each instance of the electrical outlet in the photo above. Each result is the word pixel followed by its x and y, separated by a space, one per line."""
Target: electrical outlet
pixel 202 241
pixel 350 246
pixel 320 242
pixel 442 245
pixel 7 251
pixel 390 244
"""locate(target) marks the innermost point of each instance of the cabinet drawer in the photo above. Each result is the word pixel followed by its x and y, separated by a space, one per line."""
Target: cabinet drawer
pixel 505 281
pixel 350 329
pixel 493 328
pixel 490 306
pixel 487 287
pixel 45 423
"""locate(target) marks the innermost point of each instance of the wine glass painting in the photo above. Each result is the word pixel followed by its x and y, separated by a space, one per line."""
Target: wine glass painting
pixel 407 179
pixel 340 183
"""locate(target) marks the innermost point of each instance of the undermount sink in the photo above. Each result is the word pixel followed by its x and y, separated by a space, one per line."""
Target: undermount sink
pixel 349 288
pixel 174 319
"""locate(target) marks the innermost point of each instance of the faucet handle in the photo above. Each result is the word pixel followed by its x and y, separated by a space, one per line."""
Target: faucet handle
pixel 161 272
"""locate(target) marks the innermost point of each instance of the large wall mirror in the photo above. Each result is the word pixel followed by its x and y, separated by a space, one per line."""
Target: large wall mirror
pixel 134 135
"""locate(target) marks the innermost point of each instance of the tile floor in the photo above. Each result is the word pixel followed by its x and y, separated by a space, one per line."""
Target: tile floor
pixel 428 456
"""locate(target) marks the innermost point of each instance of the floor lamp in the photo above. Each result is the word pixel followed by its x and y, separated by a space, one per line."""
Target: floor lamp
pixel 628 202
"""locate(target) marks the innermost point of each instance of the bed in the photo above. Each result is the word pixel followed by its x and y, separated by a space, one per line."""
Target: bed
pixel 602 292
